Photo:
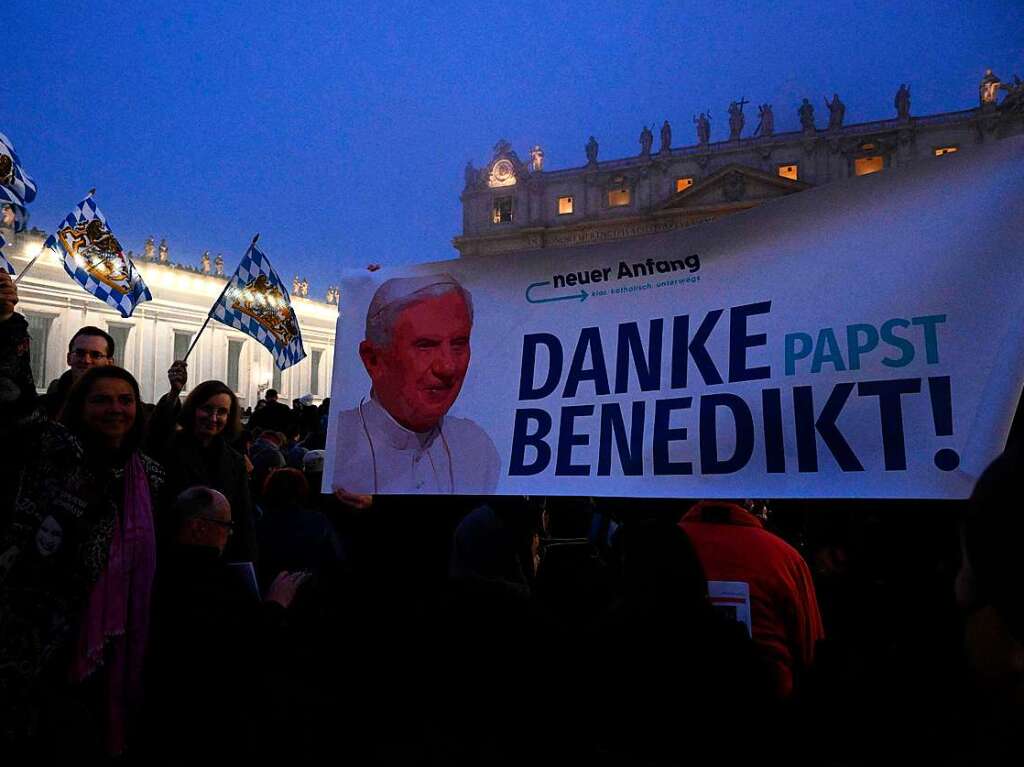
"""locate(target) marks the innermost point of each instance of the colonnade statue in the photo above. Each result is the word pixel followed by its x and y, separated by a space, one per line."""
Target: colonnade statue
pixel 836 112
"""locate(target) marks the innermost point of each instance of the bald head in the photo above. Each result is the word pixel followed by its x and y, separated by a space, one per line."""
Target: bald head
pixel 203 516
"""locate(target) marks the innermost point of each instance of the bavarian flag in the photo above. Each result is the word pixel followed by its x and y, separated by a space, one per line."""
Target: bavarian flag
pixel 93 258
pixel 256 302
pixel 13 213
pixel 5 265
pixel 12 173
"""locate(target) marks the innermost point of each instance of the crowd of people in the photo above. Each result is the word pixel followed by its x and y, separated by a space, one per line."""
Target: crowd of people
pixel 176 589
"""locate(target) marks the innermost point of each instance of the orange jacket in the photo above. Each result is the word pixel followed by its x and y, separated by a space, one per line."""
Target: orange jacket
pixel 786 622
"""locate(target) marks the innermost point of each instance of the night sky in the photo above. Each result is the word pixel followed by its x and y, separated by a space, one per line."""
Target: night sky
pixel 340 130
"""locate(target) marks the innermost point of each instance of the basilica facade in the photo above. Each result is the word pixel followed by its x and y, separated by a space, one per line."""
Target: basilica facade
pixel 513 204
pixel 160 331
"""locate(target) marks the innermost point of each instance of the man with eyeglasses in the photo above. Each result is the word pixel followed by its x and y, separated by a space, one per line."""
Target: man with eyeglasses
pixel 215 637
pixel 90 347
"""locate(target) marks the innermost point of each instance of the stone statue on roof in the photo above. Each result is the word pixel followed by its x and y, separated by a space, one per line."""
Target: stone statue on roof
pixel 537 159
pixel 148 249
pixel 218 265
pixel 703 123
pixel 205 262
pixel 666 136
pixel 766 121
pixel 646 140
pixel 164 252
pixel 989 88
pixel 591 149
pixel 836 112
pixel 806 112
pixel 902 102
pixel 736 119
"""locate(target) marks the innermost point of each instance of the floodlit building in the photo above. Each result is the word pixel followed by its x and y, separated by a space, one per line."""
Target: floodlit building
pixel 160 331
pixel 511 205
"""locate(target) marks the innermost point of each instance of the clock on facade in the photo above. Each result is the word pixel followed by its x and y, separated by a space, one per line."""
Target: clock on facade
pixel 503 173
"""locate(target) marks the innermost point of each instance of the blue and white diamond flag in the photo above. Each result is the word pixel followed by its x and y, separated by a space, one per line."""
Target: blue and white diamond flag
pixel 256 302
pixel 5 265
pixel 12 172
pixel 93 258
pixel 12 206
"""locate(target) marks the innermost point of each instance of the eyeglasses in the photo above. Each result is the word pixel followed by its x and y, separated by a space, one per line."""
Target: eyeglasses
pixel 92 356
pixel 219 522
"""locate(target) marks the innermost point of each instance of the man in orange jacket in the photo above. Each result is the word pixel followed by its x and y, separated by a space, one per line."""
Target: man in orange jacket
pixel 735 549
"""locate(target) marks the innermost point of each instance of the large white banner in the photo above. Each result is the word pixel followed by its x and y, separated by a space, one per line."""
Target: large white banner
pixel 862 339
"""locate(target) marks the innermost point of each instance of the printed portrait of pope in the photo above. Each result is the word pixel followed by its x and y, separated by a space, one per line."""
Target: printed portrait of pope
pixel 400 438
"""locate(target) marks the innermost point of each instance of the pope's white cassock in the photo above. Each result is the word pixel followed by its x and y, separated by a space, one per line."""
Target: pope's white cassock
pixel 375 454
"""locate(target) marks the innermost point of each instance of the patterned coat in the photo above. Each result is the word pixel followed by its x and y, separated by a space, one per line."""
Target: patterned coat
pixel 50 558
pixel 18 405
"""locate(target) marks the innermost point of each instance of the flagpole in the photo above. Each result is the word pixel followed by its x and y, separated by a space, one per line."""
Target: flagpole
pixel 42 248
pixel 196 339
pixel 28 266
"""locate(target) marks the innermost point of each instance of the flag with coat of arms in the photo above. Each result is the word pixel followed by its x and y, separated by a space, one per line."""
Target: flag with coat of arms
pixel 256 302
pixel 17 188
pixel 93 258
pixel 12 173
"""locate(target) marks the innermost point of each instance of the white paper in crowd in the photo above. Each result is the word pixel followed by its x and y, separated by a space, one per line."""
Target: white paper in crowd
pixel 245 573
pixel 858 340
pixel 732 599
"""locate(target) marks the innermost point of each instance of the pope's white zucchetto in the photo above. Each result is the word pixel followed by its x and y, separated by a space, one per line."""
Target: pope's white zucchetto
pixel 399 293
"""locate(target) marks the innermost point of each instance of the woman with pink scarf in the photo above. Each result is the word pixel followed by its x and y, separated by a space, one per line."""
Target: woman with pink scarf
pixel 76 571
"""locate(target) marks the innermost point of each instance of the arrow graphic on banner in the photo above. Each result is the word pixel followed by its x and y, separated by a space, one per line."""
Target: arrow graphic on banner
pixel 581 296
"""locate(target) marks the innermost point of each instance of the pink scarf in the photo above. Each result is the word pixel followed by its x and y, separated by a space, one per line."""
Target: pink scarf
pixel 117 612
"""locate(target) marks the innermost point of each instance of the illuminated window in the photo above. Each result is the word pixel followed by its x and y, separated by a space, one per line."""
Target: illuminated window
pixel 120 335
pixel 314 374
pixel 502 212
pixel 618 197
pixel 792 172
pixel 864 166
pixel 182 340
pixel 234 363
pixel 39 331
pixel 564 206
pixel 941 150
pixel 684 183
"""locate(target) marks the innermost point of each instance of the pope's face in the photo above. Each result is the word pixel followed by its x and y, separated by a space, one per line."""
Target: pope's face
pixel 418 375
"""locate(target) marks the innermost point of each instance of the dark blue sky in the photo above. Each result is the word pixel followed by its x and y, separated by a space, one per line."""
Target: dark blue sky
pixel 340 130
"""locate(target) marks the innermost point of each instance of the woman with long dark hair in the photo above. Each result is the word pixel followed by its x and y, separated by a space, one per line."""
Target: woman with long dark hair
pixel 76 572
pixel 199 453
